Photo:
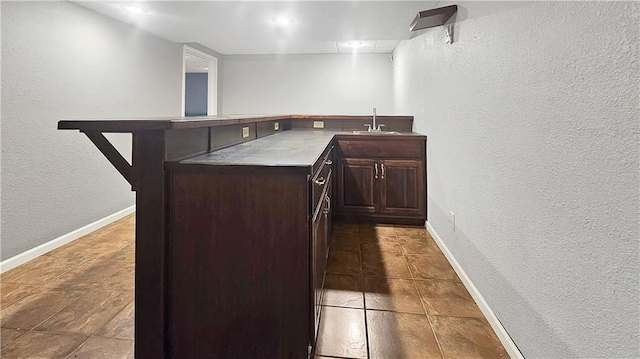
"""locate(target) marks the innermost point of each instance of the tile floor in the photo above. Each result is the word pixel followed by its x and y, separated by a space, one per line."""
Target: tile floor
pixel 390 293
pixel 73 302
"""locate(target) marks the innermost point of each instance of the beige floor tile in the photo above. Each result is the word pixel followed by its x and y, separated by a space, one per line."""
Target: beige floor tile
pixel 447 298
pixel 419 245
pixel 41 270
pixel 378 238
pixel 400 335
pixel 342 333
pixel 127 253
pixel 376 232
pixel 461 337
pixel 8 336
pixel 42 345
pixel 343 262
pixel 411 231
pixel 11 292
pixel 88 314
pixel 431 267
pixel 120 326
pixel 339 227
pixel 343 291
pixel 398 295
pixel 90 250
pixel 381 246
pixel 36 307
pixel 104 348
pixel 347 241
pixel 123 279
pixel 385 264
pixel 89 275
pixel 12 275
pixel 117 238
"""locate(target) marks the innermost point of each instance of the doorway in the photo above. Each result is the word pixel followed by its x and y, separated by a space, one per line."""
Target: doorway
pixel 199 83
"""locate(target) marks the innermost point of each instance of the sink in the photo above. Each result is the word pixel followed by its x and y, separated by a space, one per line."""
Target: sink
pixel 376 133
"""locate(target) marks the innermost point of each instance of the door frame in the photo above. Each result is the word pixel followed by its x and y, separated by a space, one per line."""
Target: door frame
pixel 212 78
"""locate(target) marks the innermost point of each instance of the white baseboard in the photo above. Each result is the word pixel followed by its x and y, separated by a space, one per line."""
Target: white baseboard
pixel 33 253
pixel 502 334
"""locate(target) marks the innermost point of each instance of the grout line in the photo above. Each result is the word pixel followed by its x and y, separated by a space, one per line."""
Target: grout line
pixel 61 309
pixel 364 297
pixel 108 337
pixel 433 331
pixel 78 347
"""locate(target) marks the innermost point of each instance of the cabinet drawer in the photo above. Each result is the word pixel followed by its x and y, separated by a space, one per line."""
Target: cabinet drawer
pixel 321 176
pixel 369 148
pixel 325 159
pixel 318 184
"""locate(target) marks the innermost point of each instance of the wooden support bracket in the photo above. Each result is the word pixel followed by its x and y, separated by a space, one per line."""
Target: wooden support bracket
pixel 110 152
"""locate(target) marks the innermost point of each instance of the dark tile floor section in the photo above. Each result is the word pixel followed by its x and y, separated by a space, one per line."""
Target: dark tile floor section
pixel 73 302
pixel 389 293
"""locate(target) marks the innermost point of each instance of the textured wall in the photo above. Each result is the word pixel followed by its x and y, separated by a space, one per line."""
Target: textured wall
pixel 532 119
pixel 61 61
pixel 307 84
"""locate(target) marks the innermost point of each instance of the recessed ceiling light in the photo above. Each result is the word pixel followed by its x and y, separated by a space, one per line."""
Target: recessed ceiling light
pixel 282 20
pixel 134 9
pixel 355 43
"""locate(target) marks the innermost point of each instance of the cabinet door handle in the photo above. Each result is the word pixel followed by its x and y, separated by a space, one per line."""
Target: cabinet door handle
pixel 328 209
pixel 320 181
pixel 382 165
pixel 328 162
pixel 376 165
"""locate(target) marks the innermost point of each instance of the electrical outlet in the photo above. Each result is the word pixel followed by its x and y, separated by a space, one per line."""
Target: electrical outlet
pixel 276 126
pixel 245 132
pixel 452 221
pixel 318 124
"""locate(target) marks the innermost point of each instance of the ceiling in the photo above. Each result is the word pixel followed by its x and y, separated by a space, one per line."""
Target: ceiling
pixel 251 27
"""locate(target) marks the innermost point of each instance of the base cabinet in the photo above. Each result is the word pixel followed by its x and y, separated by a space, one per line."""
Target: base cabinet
pixel 390 186
pixel 320 227
pixel 247 281
pixel 357 185
pixel 401 187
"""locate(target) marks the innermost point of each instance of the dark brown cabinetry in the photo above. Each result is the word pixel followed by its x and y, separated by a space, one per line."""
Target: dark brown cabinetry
pixel 401 187
pixel 320 249
pixel 232 231
pixel 382 180
pixel 248 249
pixel 358 186
pixel 320 232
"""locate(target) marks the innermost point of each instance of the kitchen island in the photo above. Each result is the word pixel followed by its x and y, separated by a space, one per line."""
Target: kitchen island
pixel 233 216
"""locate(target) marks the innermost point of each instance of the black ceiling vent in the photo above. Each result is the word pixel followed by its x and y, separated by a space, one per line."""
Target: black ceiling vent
pixel 433 17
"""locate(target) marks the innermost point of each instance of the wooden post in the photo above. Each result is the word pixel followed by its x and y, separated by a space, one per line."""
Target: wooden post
pixel 151 286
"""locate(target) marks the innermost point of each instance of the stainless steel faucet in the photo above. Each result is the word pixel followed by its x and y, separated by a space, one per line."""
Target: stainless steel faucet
pixel 374 120
pixel 372 126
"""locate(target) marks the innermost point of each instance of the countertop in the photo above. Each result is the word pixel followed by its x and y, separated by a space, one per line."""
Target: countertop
pixel 294 148
pixel 169 123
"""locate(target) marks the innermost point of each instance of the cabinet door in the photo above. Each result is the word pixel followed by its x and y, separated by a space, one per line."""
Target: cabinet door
pixel 357 185
pixel 318 261
pixel 403 187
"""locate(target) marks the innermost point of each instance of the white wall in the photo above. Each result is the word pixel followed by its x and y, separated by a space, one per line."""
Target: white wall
pixel 61 61
pixel 532 119
pixel 307 84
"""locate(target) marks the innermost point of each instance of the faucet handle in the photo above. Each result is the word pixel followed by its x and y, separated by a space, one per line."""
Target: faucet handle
pixel 368 125
pixel 380 126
